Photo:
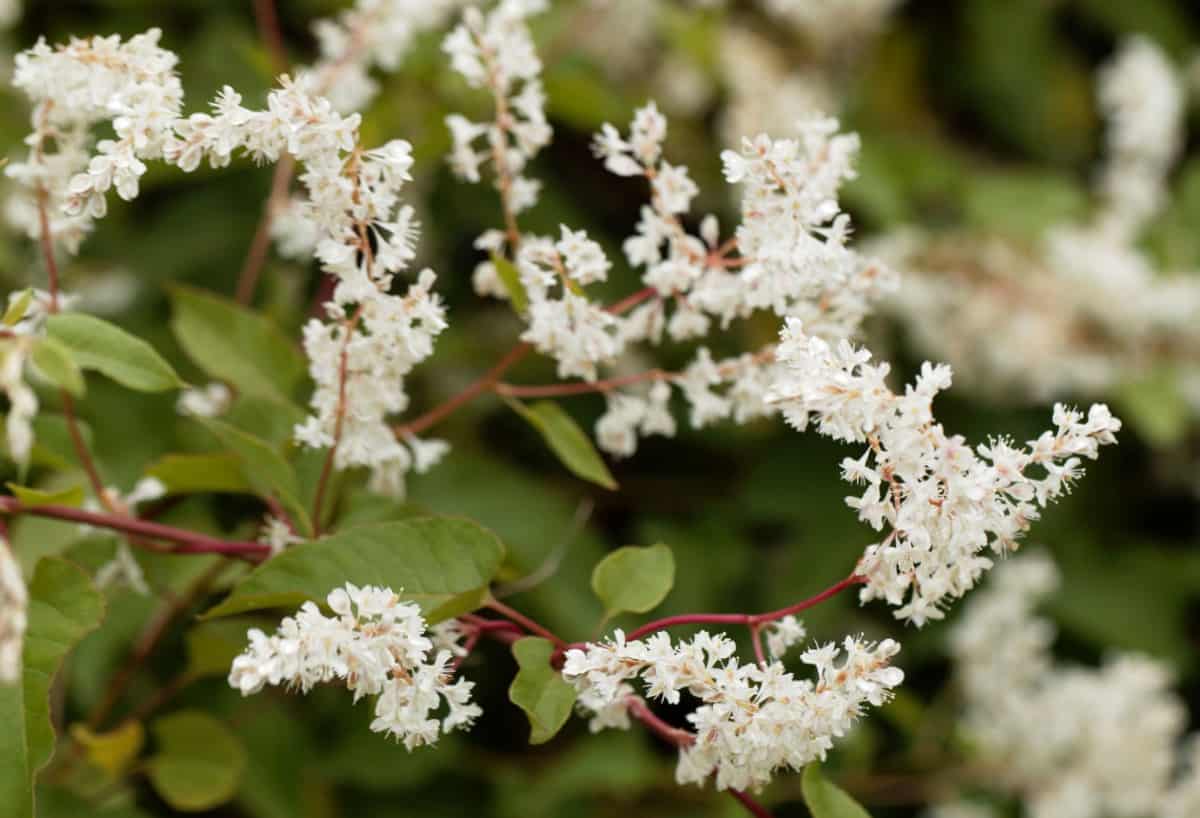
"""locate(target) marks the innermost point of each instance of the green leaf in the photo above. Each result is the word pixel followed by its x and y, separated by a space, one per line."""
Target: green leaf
pixel 236 345
pixel 17 308
pixel 263 468
pixel 511 280
pixel 634 578
pixel 567 440
pixel 442 563
pixel 201 473
pixel 110 350
pixel 825 799
pixel 113 751
pixel 32 498
pixel 539 689
pixel 199 762
pixel 53 361
pixel 63 607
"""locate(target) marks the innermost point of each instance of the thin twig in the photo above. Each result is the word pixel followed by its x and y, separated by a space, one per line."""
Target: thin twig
pixel 188 542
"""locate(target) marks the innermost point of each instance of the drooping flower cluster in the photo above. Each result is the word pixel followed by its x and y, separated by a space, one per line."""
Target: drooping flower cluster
pixel 752 720
pixel 1086 301
pixel 74 87
pixel 1072 742
pixel 495 51
pixel 376 645
pixel 364 236
pixel 944 503
pixel 14 615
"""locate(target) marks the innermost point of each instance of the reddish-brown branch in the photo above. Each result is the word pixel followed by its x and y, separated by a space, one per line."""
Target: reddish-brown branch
pixel 492 377
pixel 672 735
pixel 753 807
pixel 82 451
pixel 558 390
pixel 756 638
pixel 525 622
pixel 749 620
pixel 267 21
pixel 339 424
pixel 260 245
pixel 187 542
pixel 47 242
pixel 484 384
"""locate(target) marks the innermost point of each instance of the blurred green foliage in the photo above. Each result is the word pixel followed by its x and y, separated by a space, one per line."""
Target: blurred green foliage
pixel 973 113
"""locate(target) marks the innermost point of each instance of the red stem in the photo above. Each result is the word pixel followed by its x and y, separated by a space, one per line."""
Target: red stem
pixel 267 20
pixel 485 383
pixel 685 738
pixel 189 542
pixel 753 807
pixel 556 390
pixel 749 620
pixel 672 735
pixel 525 622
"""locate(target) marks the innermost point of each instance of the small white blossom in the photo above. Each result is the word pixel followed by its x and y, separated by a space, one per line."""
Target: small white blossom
pixel 375 645
pixel 752 721
pixel 208 401
pixel 945 503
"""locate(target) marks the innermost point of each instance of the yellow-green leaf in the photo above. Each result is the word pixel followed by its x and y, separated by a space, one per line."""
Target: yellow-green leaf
pixel 53 361
pixel 32 498
pixel 825 799
pixel 201 473
pixel 539 689
pixel 113 751
pixel 564 437
pixel 634 578
pixel 511 279
pixel 110 350
pixel 18 307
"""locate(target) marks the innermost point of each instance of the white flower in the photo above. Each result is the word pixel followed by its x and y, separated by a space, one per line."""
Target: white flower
pixel 208 401
pixel 374 645
pixel 277 534
pixel 945 503
pixel 1072 742
pixel 14 615
pixel 751 720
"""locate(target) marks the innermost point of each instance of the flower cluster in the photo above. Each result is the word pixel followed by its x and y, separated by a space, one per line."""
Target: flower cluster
pixel 371 33
pixel 1086 301
pixel 495 51
pixel 945 503
pixel 752 720
pixel 374 644
pixel 73 87
pixel 363 235
pixel 14 615
pixel 1073 742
